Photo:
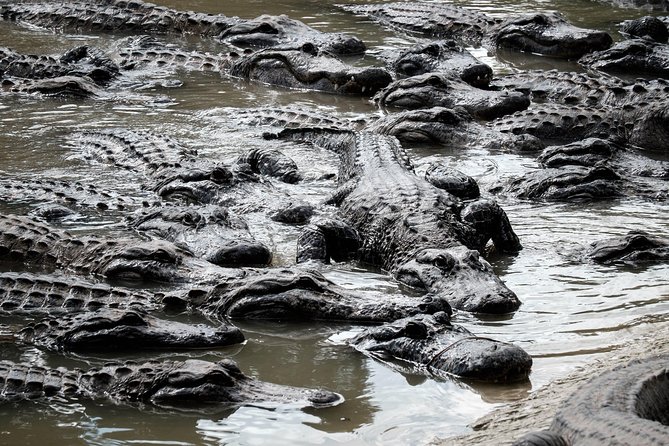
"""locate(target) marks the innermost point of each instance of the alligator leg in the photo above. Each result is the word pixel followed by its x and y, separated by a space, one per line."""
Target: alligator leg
pixel 489 221
pixel 327 239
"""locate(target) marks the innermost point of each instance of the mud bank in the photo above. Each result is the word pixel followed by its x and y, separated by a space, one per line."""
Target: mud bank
pixel 536 412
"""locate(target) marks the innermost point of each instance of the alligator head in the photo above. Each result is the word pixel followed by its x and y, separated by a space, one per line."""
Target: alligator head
pixel 631 57
pixel 270 31
pixel 549 34
pixel 296 294
pixel 436 346
pixel 209 232
pixel 307 68
pixel 196 384
pixel 444 57
pixel 110 329
pixel 145 261
pixel 462 276
pixel 436 89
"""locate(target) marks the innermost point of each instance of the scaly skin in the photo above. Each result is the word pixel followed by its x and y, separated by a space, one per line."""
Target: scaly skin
pixel 307 68
pixel 191 384
pixel 439 90
pixel 210 232
pixel 643 125
pixel 115 16
pixel 124 330
pixel 407 226
pixel 445 57
pixel 438 348
pixel 25 240
pixel 623 406
pixel 634 248
pixel 634 57
pixel 83 61
pixel 547 33
pixel 293 294
pixel 137 16
pixel 32 294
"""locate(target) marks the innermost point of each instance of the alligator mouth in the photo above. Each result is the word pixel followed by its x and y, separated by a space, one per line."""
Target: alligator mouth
pixel 207 384
pixel 569 47
pixel 137 270
pixel 303 70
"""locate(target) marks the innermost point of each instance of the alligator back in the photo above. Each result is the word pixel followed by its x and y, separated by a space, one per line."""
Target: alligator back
pixel 23 381
pixel 114 16
pixel 46 294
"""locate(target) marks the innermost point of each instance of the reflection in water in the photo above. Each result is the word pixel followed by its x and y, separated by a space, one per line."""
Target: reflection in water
pixel 572 310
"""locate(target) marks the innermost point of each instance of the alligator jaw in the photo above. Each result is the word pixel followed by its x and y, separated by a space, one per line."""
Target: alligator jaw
pixel 204 384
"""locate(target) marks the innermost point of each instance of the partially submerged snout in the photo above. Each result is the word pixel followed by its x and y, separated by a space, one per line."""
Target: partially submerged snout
pixel 551 35
pixel 146 261
pixel 201 383
pixel 461 276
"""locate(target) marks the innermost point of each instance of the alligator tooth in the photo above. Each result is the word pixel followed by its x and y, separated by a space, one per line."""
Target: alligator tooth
pixel 364 88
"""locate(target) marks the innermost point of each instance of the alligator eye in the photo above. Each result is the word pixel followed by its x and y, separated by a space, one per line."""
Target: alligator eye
pixel 432 50
pixel 220 175
pixel 435 81
pixel 309 48
pixel 415 330
pixel 266 28
pixel 132 319
pixel 540 19
pixel 444 261
pixel 190 218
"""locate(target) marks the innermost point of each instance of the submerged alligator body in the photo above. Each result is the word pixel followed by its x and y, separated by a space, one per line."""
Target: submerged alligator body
pixel 445 57
pixel 581 89
pixel 422 235
pixel 130 330
pixel 633 248
pixel 191 384
pixel 623 406
pixel 440 90
pixel 136 16
pixel 543 33
pixel 435 347
pixel 633 57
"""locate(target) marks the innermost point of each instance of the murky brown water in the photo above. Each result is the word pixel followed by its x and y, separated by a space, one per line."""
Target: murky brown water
pixel 572 311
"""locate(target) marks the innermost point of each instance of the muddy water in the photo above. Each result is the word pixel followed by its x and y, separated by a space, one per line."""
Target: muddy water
pixel 572 312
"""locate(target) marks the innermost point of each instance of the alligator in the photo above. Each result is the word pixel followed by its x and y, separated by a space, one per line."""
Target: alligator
pixel 623 406
pixel 647 27
pixel 82 61
pixel 441 90
pixel 286 293
pixel 25 240
pixel 435 347
pixel 74 193
pixel 445 57
pixel 645 125
pixel 209 232
pixel 452 127
pixel 309 68
pixel 592 151
pixel 60 87
pixel 542 33
pixel 45 294
pixel 566 183
pixel 571 88
pixel 633 248
pixel 633 57
pixel 273 31
pixel 183 385
pixel 421 235
pixel 107 329
pixel 296 294
pixel 136 16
